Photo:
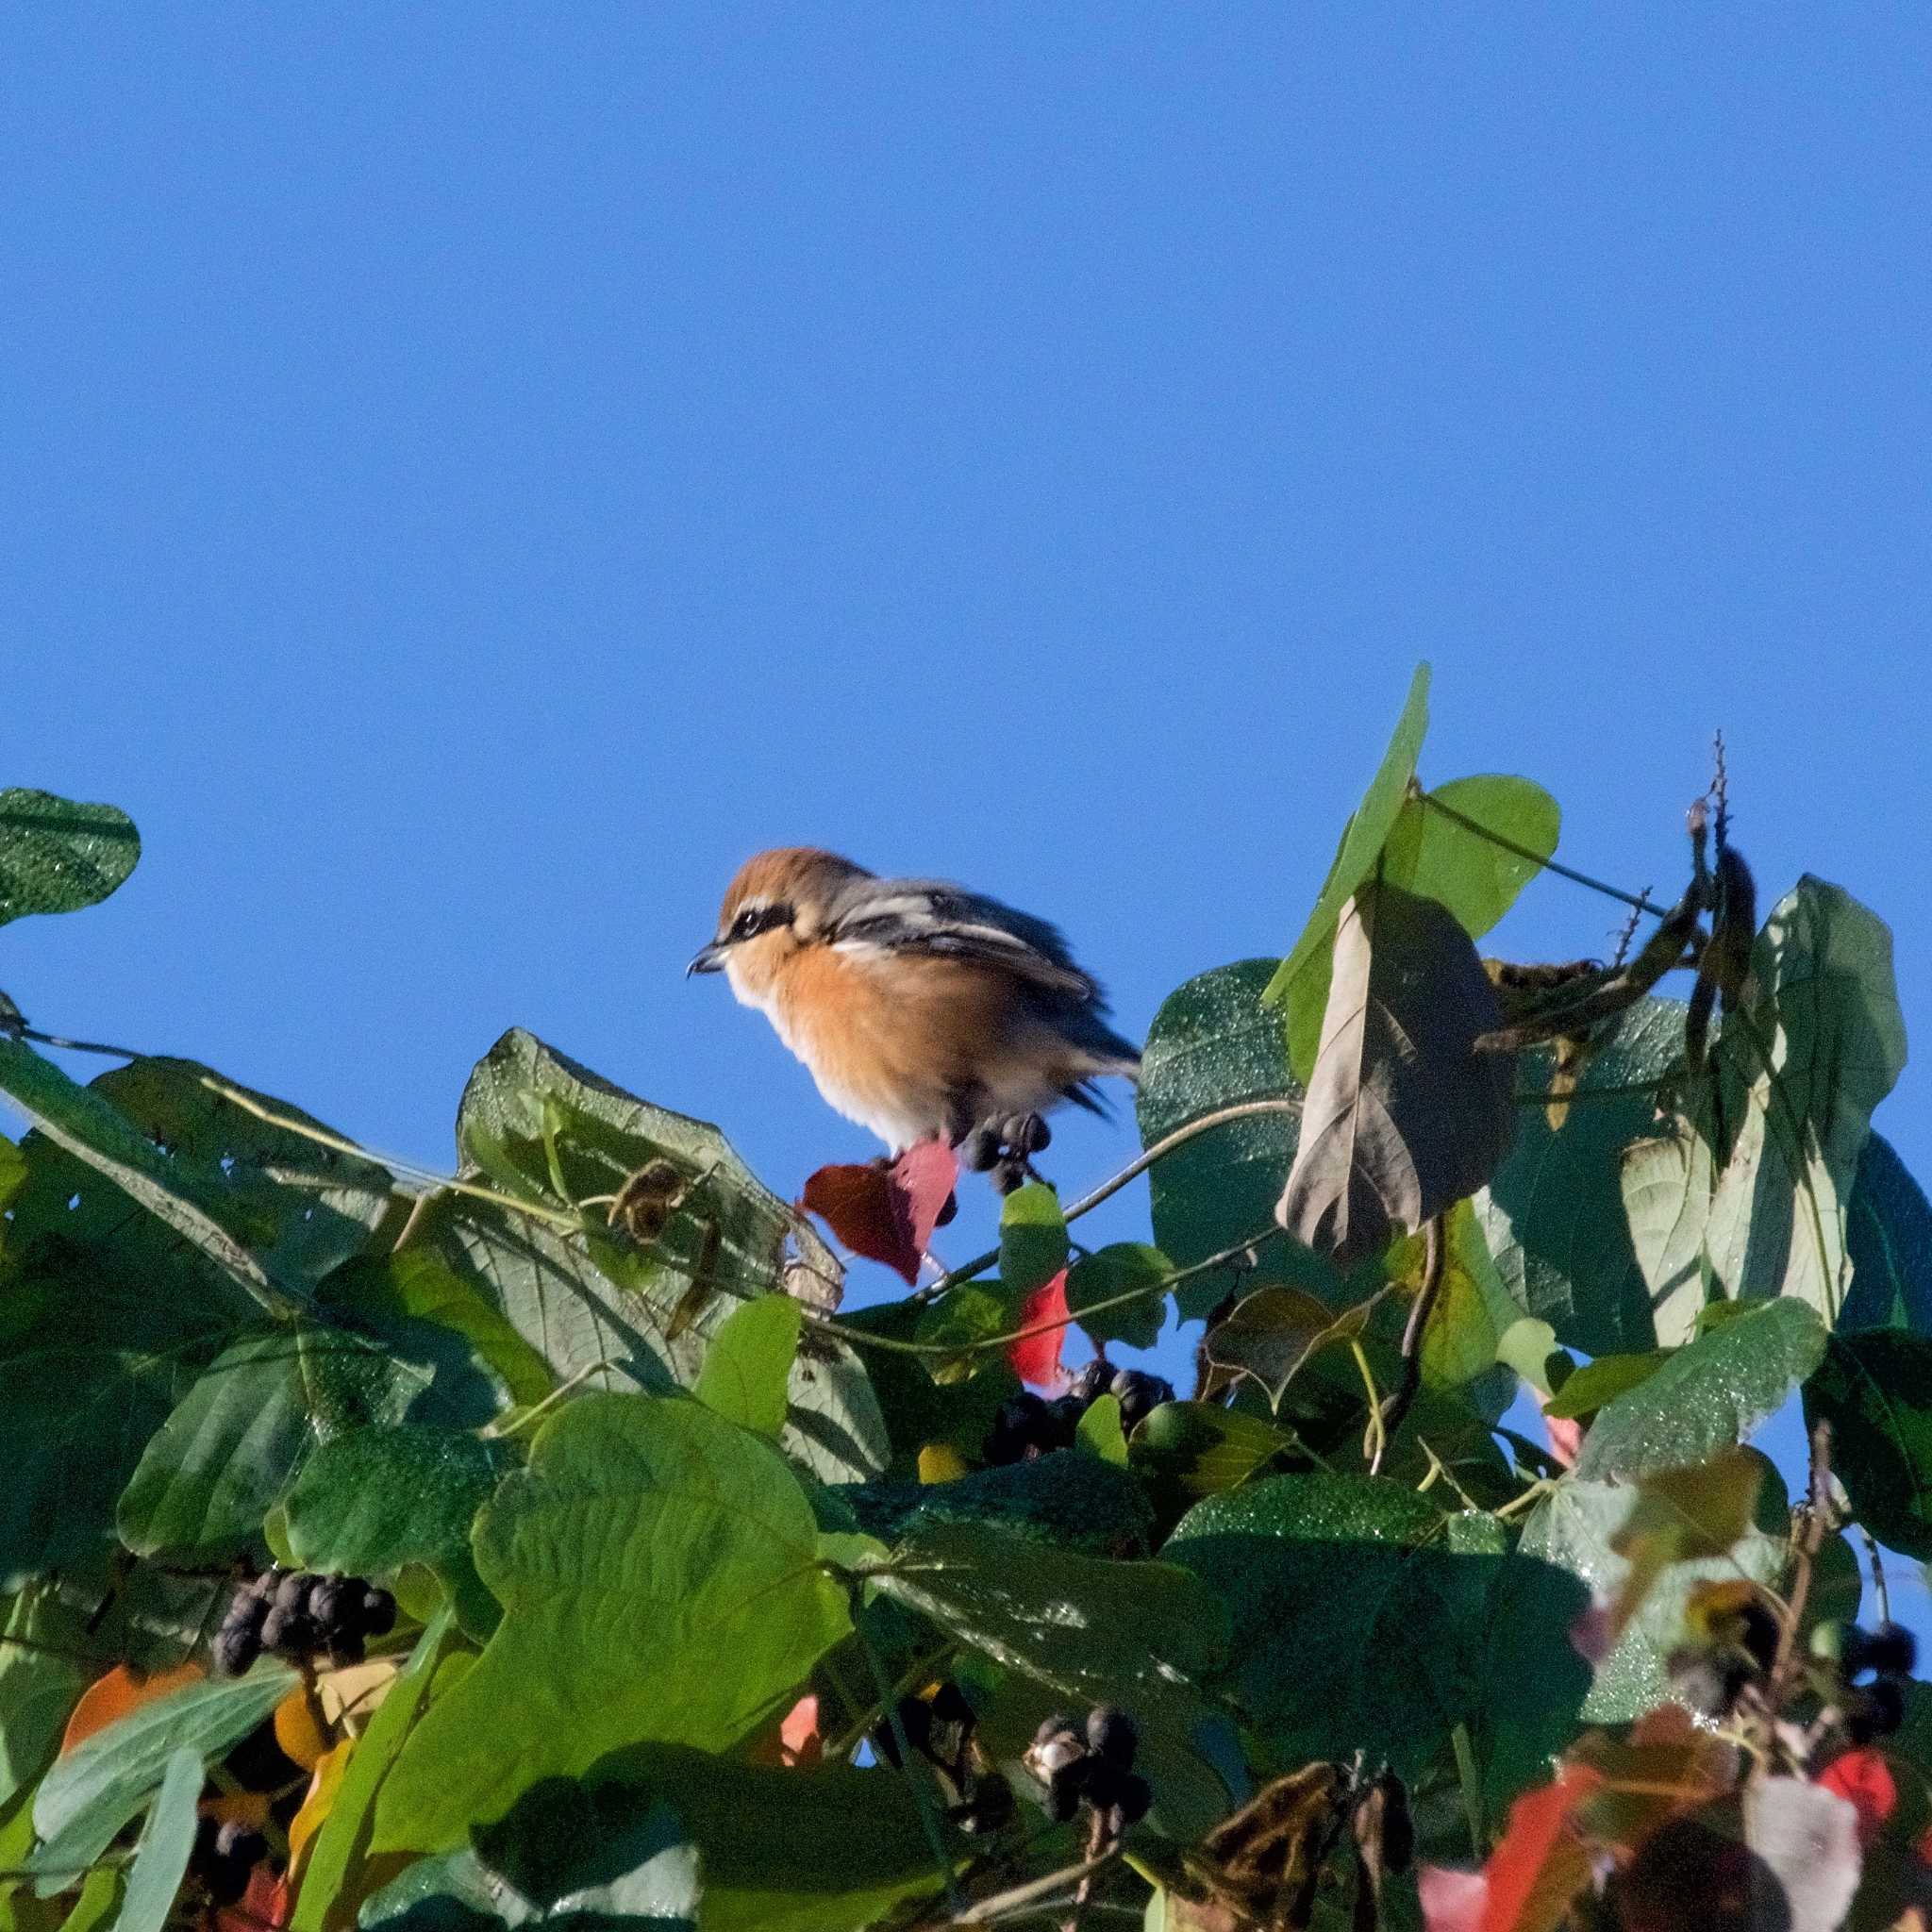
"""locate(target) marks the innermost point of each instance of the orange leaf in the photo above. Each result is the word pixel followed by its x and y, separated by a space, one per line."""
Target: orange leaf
pixel 300 1730
pixel 321 1795
pixel 887 1212
pixel 1541 1865
pixel 119 1691
pixel 1036 1359
pixel 264 1907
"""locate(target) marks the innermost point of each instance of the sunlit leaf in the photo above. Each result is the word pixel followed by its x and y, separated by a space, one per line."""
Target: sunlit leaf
pixel 1666 1181
pixel 886 1213
pixel 160 1857
pixel 58 855
pixel 749 1363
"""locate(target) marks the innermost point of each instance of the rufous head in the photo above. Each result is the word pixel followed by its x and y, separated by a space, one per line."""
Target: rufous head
pixel 779 900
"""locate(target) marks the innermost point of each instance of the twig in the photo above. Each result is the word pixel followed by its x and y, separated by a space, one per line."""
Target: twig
pixel 1396 1408
pixel 1008 1904
pixel 24 1032
pixel 1637 900
pixel 1878 1583
pixel 1626 933
pixel 1241 1109
pixel 1817 1516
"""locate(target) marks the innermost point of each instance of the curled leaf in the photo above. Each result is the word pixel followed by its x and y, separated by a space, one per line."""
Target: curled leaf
pixel 887 1212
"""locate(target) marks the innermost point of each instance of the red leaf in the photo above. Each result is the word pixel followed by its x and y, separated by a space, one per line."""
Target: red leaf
pixel 1864 1780
pixel 1036 1359
pixel 886 1213
pixel 263 1908
pixel 1541 1865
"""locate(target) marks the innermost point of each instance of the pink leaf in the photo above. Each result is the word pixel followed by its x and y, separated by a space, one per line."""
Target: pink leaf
pixel 886 1213
pixel 1036 1359
pixel 1452 1901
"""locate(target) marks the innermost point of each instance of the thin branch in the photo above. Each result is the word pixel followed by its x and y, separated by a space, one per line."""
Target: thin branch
pixel 1817 1518
pixel 1878 1583
pixel 34 1033
pixel 1637 900
pixel 1392 1412
pixel 1020 1898
pixel 1221 1117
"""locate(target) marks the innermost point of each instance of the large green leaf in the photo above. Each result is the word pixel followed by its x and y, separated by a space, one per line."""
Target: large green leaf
pixel 91 1792
pixel 234 1441
pixel 339 1857
pixel 373 1499
pixel 647 1538
pixel 1404 1117
pixel 1364 1619
pixel 1122 1268
pixel 160 1858
pixel 1301 984
pixel 1213 1045
pixel 1711 1393
pixel 1806 1060
pixel 44 1669
pixel 1667 1182
pixel 1573 1527
pixel 749 1363
pixel 1875 1391
pixel 57 855
pixel 1889 1238
pixel 834 1424
pixel 1076 1502
pixel 1554 1211
pixel 1033 1238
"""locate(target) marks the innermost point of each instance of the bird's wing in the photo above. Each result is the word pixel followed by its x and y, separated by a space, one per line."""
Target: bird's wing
pixel 947 922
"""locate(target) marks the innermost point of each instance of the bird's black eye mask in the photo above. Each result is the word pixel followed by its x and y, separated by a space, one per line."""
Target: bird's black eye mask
pixel 757 919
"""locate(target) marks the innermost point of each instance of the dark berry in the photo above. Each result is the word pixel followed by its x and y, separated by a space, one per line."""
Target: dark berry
pixel 1135 1795
pixel 986 1807
pixel 235 1648
pixel 1139 1395
pixel 1065 1790
pixel 950 1704
pixel 1760 1634
pixel 328 1604
pixel 1026 1133
pixel 1008 1174
pixel 291 1592
pixel 1089 1385
pixel 1064 1412
pixel 289 1632
pixel 1883 1711
pixel 949 1210
pixel 980 1150
pixel 1022 1425
pixel 378 1612
pixel 915 1720
pixel 1111 1733
pixel 1891 1651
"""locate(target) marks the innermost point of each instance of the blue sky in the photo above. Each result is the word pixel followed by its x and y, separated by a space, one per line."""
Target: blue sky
pixel 473 474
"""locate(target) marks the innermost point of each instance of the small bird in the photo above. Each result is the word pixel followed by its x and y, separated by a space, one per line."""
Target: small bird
pixel 923 1010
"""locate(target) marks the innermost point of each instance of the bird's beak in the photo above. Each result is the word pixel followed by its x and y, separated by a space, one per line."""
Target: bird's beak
pixel 710 960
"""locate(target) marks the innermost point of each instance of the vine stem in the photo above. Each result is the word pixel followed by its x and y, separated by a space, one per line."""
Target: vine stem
pixel 1818 1516
pixel 1221 1117
pixel 1636 900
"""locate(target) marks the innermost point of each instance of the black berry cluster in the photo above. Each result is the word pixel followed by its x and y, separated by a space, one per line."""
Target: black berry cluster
pixel 1026 1426
pixel 1005 1148
pixel 223 1858
pixel 1090 1765
pixel 297 1614
pixel 1887 1655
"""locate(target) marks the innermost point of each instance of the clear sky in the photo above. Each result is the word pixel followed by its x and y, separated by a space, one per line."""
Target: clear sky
pixel 473 474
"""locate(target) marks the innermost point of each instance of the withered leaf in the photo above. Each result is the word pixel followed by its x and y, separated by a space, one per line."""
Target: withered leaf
pixel 1403 1118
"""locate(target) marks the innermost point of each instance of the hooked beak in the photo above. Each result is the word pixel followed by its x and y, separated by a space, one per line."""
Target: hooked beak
pixel 709 960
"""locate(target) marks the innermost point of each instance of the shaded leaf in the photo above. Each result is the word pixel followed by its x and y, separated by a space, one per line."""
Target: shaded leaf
pixel 1299 984
pixel 160 1858
pixel 1875 1391
pixel 1682 1515
pixel 1889 1240
pixel 1432 854
pixel 43 1675
pixel 1805 1061
pixel 1275 1331
pixel 1711 1393
pixel 1122 1268
pixel 1599 1383
pixel 1403 1116
pixel 834 1425
pixel 1554 1210
pixel 887 1212
pixel 58 855
pixel 1187 1450
pixel 1099 1433
pixel 645 1539
pixel 1213 1045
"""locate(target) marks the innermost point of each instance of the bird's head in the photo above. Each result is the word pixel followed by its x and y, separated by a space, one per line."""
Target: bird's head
pixel 780 900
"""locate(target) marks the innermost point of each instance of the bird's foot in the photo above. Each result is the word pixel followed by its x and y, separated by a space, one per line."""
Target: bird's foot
pixel 1005 1147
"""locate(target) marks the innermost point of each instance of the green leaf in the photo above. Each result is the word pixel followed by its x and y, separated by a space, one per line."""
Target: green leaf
pixel 1272 1334
pixel 1076 1502
pixel 1711 1393
pixel 233 1444
pixel 373 1499
pixel 1121 1268
pixel 92 1791
pixel 1187 1450
pixel 1575 1526
pixel 1598 1383
pixel 562 1855
pixel 749 1362
pixel 1667 1182
pixel 1888 1238
pixel 1808 1059
pixel 964 1320
pixel 41 1676
pixel 56 855
pixel 167 1839
pixel 1435 857
pixel 1033 1239
pixel 1684 1515
pixel 1140 1634
pixel 99 1904
pixel 1301 983
pixel 1875 1391
pixel 339 1857
pixel 1554 1211
pixel 834 1424
pixel 647 1538
pixel 1214 1045
pixel 1391 1663
pixel 1099 1433
pixel 1403 1118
